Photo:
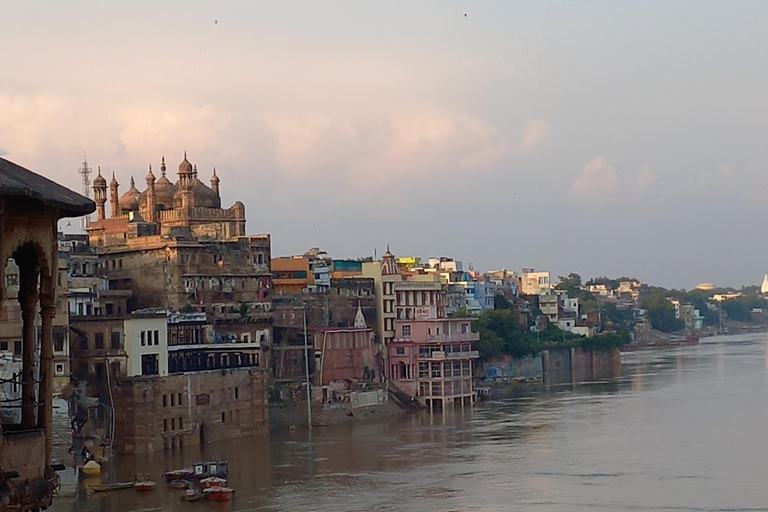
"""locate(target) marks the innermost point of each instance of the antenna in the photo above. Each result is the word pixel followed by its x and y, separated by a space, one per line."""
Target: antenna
pixel 85 171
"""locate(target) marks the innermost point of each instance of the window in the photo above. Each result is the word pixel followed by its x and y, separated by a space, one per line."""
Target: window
pixel 165 425
pixel 58 344
pixel 223 417
pixel 406 330
pixel 423 370
pixel 157 337
pixel 237 393
pixel 165 400
pixel 59 369
pixel 181 423
pixel 464 328
pixel 3 345
pixel 143 338
pixel 149 364
pixel 99 370
pixel 178 400
pixel 115 339
pixel 437 331
pixel 110 308
pixel 173 423
pixel 173 400
pixel 99 340
pixel 400 351
pixel 435 370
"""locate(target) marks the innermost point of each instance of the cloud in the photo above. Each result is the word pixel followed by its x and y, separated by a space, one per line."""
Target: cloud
pixel 641 180
pixel 597 183
pixel 535 130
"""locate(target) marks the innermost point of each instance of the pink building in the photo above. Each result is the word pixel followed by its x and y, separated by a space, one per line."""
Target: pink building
pixel 432 359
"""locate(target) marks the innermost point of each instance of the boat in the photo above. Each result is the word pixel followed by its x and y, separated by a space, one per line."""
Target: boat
pixel 143 483
pixel 110 487
pixel 178 484
pixel 178 474
pixel 213 481
pixel 202 469
pixel 191 495
pixel 218 493
pixel 91 468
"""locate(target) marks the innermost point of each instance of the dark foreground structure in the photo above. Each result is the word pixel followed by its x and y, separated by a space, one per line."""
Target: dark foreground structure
pixel 30 206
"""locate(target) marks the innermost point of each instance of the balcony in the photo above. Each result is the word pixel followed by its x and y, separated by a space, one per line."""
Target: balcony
pixel 469 336
pixel 439 355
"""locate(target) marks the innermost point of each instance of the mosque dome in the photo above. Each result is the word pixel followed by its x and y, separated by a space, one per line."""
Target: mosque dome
pixel 99 181
pixel 164 192
pixel 185 167
pixel 201 195
pixel 131 199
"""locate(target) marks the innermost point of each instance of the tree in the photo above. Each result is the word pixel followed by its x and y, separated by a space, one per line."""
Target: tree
pixel 568 283
pixel 501 302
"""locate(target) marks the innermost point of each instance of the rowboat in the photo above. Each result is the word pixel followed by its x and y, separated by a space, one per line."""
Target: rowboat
pixel 191 495
pixel 218 493
pixel 143 483
pixel 213 481
pixel 178 474
pixel 178 484
pixel 110 487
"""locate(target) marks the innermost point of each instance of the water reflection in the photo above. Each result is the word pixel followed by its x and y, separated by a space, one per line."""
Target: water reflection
pixel 680 428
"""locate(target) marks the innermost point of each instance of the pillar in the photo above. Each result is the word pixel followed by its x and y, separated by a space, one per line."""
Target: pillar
pixel 45 407
pixel 28 295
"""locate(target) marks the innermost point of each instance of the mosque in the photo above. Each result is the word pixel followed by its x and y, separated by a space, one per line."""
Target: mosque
pixel 185 209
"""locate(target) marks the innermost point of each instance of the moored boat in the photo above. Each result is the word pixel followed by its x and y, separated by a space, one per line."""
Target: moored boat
pixel 178 484
pixel 110 487
pixel 213 481
pixel 143 483
pixel 191 495
pixel 178 474
pixel 218 493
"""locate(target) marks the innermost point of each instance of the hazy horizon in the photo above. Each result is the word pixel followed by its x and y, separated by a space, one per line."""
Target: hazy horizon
pixel 599 138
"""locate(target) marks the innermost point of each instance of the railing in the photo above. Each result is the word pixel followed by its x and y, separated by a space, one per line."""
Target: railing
pixel 439 355
pixel 469 336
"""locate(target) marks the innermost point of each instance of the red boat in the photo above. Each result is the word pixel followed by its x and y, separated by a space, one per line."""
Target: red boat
pixel 178 474
pixel 218 493
pixel 213 481
pixel 146 485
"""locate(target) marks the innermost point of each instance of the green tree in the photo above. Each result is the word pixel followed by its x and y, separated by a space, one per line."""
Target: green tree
pixel 501 302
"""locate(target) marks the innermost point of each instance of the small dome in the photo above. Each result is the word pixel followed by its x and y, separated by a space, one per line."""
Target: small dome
pixel 131 199
pixel 99 181
pixel 150 175
pixel 185 167
pixel 113 183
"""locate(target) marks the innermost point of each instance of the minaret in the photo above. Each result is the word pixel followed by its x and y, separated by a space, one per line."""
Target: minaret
pixel 215 183
pixel 185 173
pixel 114 208
pixel 100 195
pixel 151 198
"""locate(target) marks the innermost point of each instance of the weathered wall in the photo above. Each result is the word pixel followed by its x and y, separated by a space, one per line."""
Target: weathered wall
pixel 187 409
pixel 509 367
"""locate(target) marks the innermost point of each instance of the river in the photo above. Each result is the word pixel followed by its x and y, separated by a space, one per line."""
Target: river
pixel 681 429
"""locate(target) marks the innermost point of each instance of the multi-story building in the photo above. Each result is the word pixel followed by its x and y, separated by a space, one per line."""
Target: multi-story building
pixel 535 283
pixel 433 360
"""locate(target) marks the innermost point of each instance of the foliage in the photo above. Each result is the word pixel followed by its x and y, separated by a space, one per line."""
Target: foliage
pixel 501 302
pixel 605 341
pixel 621 318
pixel 568 283
pixel 243 310
pixel 462 312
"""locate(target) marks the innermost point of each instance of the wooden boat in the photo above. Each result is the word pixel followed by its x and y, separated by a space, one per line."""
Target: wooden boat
pixel 191 495
pixel 178 474
pixel 110 487
pixel 178 484
pixel 213 481
pixel 218 493
pixel 202 469
pixel 143 483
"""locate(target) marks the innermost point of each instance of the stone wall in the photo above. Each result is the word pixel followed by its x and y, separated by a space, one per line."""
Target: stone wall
pixel 179 410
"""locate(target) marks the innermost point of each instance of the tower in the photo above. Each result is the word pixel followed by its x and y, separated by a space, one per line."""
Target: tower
pixel 215 183
pixel 114 209
pixel 100 195
pixel 85 172
pixel 151 207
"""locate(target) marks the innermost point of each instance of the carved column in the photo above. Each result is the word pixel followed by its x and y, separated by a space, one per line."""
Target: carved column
pixel 28 295
pixel 45 409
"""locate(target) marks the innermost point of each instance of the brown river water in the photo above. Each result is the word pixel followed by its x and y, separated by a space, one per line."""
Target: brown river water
pixel 681 429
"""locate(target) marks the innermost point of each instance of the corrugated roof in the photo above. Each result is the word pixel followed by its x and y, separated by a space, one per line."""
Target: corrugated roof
pixel 16 181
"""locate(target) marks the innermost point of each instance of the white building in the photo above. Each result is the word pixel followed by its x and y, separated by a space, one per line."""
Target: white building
pixel 535 283
pixel 146 344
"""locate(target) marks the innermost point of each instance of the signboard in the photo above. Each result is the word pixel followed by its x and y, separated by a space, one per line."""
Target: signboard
pixel 202 399
pixel 424 312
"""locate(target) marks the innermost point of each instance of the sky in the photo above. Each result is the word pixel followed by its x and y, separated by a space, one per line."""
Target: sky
pixel 602 138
